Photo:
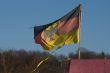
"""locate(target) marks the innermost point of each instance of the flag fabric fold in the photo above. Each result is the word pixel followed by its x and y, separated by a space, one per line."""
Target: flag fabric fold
pixel 60 32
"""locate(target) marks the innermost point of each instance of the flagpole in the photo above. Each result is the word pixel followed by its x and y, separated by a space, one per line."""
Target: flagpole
pixel 80 23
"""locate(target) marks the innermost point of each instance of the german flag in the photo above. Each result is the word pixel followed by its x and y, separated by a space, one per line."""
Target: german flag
pixel 60 32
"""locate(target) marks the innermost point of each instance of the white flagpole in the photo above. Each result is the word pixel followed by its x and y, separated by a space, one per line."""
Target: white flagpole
pixel 80 23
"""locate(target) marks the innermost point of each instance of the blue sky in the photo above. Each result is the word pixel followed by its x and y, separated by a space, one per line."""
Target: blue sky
pixel 17 17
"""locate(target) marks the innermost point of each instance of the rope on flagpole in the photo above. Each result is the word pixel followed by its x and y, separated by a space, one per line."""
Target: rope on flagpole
pixel 42 61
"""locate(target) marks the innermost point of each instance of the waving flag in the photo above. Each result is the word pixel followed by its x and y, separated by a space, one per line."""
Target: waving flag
pixel 60 32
